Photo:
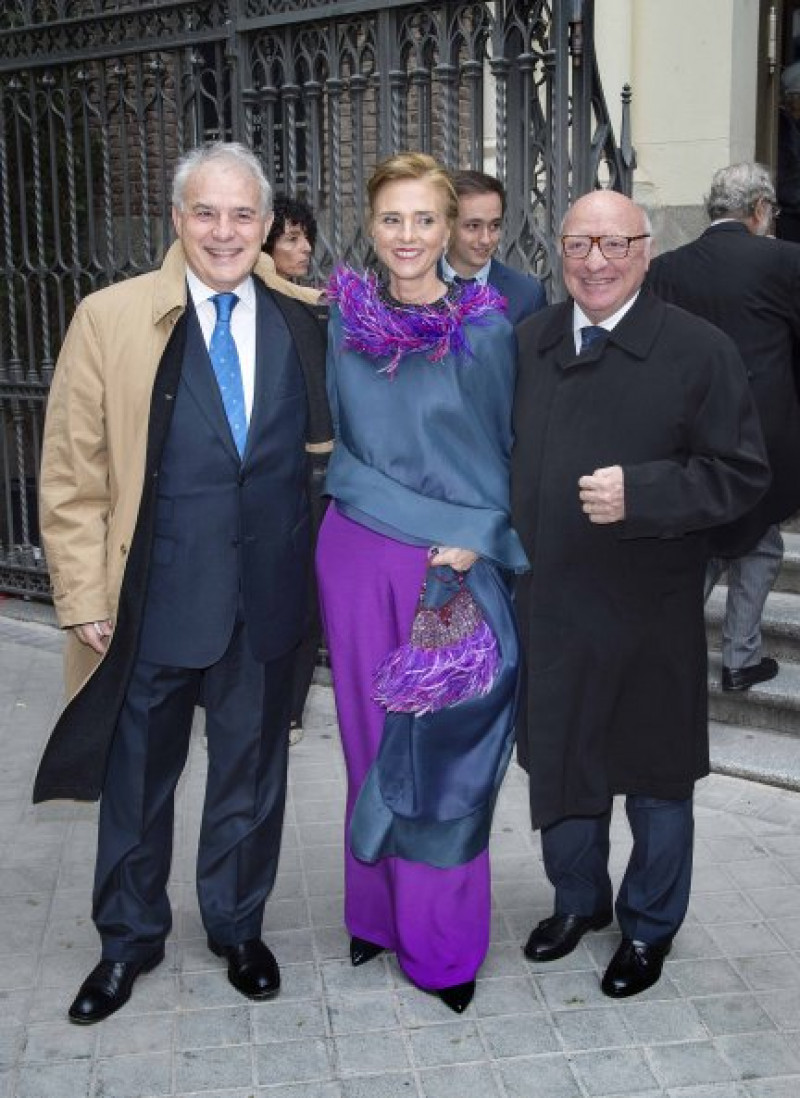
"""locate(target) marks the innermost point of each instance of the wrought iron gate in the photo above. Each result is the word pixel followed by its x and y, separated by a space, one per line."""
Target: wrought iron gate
pixel 98 97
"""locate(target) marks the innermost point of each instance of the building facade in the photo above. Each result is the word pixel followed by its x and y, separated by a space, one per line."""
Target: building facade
pixel 706 92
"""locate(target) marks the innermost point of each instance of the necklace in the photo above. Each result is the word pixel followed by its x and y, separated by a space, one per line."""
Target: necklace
pixel 377 326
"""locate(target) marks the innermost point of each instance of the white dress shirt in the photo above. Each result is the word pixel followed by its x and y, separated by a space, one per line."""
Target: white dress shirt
pixel 581 320
pixel 243 327
pixel 450 274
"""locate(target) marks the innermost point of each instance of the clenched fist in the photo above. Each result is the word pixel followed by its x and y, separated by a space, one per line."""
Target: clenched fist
pixel 603 495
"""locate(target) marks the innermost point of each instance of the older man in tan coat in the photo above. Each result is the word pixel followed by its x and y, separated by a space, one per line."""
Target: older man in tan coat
pixel 175 522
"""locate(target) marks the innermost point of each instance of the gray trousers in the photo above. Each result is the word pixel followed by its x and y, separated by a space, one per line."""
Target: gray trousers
pixel 750 580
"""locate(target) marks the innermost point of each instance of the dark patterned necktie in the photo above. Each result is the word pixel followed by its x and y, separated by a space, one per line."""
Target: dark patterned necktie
pixel 591 334
pixel 225 360
pixel 459 281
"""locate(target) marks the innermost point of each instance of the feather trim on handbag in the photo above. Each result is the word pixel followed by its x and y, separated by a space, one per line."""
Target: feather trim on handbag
pixel 452 654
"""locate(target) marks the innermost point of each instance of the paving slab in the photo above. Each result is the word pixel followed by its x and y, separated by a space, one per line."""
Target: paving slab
pixel 723 1022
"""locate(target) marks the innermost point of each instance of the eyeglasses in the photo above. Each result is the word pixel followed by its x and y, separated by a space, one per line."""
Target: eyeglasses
pixel 611 247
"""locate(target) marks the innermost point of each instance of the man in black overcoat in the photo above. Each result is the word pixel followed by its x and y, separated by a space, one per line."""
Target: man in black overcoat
pixel 749 286
pixel 635 433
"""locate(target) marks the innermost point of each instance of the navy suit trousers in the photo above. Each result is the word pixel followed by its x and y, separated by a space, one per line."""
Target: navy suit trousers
pixel 654 893
pixel 247 707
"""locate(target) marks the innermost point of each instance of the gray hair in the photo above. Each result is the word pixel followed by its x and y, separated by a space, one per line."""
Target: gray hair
pixel 737 190
pixel 229 152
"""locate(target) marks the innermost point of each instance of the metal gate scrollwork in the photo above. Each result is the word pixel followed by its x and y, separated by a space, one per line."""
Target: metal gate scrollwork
pixel 98 98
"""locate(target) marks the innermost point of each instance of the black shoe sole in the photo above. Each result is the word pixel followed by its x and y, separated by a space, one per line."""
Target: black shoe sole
pixel 740 689
pixel 147 966
pixel 630 989
pixel 255 996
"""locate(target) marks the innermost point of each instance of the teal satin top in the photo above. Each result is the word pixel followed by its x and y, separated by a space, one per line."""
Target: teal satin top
pixel 426 451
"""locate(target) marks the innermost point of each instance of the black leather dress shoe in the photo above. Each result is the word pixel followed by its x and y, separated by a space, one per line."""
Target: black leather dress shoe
pixel 745 677
pixel 252 969
pixel 635 967
pixel 362 951
pixel 108 987
pixel 559 935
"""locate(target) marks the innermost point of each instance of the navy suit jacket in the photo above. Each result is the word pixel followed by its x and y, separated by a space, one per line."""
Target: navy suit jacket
pixel 273 549
pixel 241 544
pixel 524 293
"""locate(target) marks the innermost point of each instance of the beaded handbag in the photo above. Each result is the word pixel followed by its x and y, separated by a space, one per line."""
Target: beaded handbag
pixel 452 654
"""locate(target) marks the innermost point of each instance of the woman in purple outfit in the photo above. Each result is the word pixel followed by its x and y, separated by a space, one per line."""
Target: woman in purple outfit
pixel 421 379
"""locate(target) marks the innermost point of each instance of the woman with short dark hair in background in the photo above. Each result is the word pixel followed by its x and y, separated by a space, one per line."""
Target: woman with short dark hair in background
pixel 291 237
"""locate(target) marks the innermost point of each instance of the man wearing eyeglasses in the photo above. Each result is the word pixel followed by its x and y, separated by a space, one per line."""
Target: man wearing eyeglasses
pixel 635 433
pixel 749 287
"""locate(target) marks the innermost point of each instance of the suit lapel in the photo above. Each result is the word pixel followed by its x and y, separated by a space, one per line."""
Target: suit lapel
pixel 273 358
pixel 496 276
pixel 556 335
pixel 307 327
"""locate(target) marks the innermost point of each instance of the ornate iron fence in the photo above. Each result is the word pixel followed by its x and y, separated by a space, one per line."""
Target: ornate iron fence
pixel 98 97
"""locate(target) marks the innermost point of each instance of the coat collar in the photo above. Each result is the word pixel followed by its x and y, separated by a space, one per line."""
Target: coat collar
pixel 170 290
pixel 635 334
pixel 727 227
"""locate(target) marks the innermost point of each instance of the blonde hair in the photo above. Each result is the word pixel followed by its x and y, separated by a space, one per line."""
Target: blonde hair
pixel 413 165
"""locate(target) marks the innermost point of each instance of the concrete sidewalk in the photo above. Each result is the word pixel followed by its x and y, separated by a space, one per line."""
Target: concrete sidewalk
pixel 724 1021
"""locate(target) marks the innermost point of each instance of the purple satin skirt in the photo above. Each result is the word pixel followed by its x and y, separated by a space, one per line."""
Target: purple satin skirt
pixel 435 920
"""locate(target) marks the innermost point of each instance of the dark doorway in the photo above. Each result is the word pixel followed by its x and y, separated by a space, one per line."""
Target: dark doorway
pixel 787 120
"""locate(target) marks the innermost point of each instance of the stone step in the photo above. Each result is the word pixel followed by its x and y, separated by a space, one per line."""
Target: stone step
pixel 789 575
pixel 771 758
pixel 780 624
pixel 773 705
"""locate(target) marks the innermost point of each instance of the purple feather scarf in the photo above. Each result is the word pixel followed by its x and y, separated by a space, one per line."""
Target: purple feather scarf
pixel 374 327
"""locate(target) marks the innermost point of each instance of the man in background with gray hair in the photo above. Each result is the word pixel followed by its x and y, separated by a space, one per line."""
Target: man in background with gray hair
pixel 748 286
pixel 175 518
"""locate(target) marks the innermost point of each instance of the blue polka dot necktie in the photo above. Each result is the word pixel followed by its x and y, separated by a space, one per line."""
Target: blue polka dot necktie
pixel 225 360
pixel 591 334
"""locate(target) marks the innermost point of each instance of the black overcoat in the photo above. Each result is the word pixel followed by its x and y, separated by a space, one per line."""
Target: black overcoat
pixel 74 761
pixel 749 286
pixel 611 617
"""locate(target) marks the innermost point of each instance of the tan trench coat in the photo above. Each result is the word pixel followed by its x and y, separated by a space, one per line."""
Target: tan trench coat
pixel 93 456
